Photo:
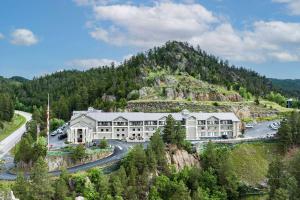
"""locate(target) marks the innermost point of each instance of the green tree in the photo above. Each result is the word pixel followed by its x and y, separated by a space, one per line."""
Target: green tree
pixel 169 130
pixel 40 185
pixel 78 153
pixel 103 144
pixel 21 187
pixel 281 194
pixel 61 188
pixel 56 123
pixel 274 176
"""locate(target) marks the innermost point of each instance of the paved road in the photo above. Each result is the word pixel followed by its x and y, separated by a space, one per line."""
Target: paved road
pixel 9 142
pixel 121 149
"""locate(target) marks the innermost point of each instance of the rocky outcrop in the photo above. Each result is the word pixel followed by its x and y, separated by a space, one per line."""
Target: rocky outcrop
pixel 171 93
pixel 7 195
pixel 65 161
pixel 242 110
pixel 106 97
pixel 180 158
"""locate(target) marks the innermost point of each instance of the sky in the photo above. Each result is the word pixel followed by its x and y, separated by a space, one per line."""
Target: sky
pixel 38 37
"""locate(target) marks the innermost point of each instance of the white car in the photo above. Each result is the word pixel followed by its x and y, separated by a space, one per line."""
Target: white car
pixel 54 133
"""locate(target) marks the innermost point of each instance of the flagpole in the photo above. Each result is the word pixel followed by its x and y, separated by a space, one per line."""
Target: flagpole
pixel 48 123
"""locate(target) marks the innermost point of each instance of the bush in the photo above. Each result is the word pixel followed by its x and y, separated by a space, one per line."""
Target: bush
pixel 103 144
pixel 78 153
pixel 216 104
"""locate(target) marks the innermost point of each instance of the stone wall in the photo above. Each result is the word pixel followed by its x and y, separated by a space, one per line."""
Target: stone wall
pixel 242 110
pixel 65 161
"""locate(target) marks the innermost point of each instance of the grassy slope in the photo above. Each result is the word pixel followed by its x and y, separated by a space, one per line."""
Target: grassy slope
pixel 10 127
pixel 251 161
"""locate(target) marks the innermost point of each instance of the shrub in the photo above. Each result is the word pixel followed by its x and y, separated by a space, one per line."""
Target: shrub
pixel 216 104
pixel 103 144
pixel 78 153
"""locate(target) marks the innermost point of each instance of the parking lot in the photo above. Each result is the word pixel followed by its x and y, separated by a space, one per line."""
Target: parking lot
pixel 56 143
pixel 260 130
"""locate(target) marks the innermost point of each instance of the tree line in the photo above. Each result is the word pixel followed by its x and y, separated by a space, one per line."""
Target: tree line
pixel 110 87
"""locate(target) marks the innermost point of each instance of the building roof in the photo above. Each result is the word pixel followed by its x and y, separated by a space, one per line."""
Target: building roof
pixel 141 116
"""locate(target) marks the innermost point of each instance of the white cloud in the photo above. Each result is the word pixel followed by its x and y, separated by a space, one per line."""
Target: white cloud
pixel 1 36
pixel 148 26
pixel 23 37
pixel 292 5
pixel 90 63
pixel 93 2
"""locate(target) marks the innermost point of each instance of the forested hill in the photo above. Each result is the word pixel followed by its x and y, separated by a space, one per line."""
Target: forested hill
pixel 289 87
pixel 111 87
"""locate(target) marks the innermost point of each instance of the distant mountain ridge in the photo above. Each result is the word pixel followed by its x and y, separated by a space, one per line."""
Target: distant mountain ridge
pixel 289 87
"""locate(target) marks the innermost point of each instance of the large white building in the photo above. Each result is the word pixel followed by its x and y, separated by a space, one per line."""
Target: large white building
pixel 90 125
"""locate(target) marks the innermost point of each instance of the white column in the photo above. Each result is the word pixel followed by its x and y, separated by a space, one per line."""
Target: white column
pixel 219 127
pixel 197 134
pixel 206 128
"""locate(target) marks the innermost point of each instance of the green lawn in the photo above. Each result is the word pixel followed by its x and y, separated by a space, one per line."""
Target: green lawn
pixel 251 161
pixel 10 127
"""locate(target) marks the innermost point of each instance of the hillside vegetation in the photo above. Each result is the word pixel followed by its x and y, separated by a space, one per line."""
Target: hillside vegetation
pixel 175 70
pixel 289 87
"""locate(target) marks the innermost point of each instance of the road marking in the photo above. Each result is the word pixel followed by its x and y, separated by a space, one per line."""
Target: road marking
pixel 120 147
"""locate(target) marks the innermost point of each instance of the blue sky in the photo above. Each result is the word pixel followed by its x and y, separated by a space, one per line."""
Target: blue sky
pixel 44 36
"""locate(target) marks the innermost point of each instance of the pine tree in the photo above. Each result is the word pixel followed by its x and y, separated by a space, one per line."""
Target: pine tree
pixel 40 185
pixel 274 176
pixel 20 188
pixel 169 130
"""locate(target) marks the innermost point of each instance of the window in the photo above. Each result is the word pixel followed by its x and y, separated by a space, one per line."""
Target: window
pixel 123 135
pixel 123 129
pixel 139 129
pixel 118 135
pixel 118 129
pixel 107 130
pixel 133 129
pixel 202 128
pixel 139 134
pixel 102 130
pixel 133 134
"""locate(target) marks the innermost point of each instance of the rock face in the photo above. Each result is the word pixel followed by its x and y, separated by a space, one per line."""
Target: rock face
pixel 181 158
pixel 7 196
pixel 57 162
pixel 242 110
pixel 106 97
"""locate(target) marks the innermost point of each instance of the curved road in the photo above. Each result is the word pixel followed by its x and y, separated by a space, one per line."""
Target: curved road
pixel 10 141
pixel 121 148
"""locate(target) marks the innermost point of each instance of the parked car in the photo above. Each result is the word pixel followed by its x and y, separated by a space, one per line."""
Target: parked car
pixel 249 125
pixel 63 136
pixel 274 126
pixel 224 136
pixel 54 133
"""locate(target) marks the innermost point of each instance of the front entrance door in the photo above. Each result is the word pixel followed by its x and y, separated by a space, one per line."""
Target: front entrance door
pixel 79 135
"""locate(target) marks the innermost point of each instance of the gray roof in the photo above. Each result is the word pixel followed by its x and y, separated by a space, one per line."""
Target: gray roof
pixel 141 116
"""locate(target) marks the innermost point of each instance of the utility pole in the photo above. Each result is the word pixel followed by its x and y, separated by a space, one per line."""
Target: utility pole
pixel 48 123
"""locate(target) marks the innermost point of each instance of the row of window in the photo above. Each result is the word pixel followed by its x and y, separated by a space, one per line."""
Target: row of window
pixel 215 134
pixel 147 123
pixel 123 135
pixel 118 129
